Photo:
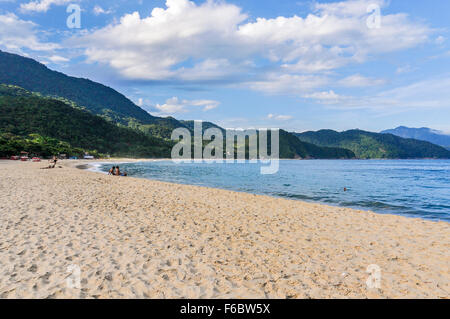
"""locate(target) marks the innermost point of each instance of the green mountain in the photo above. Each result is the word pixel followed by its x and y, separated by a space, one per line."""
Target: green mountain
pixel 422 134
pixel 94 97
pixel 292 147
pixel 26 117
pixel 367 145
pixel 45 126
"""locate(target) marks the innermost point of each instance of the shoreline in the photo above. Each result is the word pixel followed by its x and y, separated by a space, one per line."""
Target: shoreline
pixel 90 165
pixel 139 238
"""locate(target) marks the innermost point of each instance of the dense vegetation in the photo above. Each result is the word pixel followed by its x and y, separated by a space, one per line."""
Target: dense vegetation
pixel 47 126
pixel 367 145
pixel 56 122
pixel 292 147
pixel 37 145
pixel 95 97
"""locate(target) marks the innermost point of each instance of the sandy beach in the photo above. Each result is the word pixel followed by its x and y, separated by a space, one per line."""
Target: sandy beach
pixel 136 238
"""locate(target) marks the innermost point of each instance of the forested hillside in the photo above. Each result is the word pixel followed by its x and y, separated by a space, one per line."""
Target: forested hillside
pixel 22 114
pixel 368 145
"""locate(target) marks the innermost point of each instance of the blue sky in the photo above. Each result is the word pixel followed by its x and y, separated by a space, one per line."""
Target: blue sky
pixel 297 65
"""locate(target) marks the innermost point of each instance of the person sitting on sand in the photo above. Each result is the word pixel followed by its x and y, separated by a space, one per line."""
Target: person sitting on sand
pixel 52 163
pixel 117 171
pixel 112 171
pixel 55 160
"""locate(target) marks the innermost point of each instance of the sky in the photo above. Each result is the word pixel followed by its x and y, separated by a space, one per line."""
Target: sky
pixel 296 65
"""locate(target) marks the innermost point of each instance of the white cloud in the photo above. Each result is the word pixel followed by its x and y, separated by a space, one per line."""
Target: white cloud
pixel 430 93
pixel 277 83
pixel 357 80
pixel 174 105
pixel 17 34
pixel 279 117
pixel 42 5
pixel 99 10
pixel 327 98
pixel 58 59
pixel 405 69
pixel 206 104
pixel 215 40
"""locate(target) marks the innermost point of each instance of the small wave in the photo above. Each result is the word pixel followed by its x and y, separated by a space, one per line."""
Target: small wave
pixel 96 167
pixel 374 205
pixel 300 197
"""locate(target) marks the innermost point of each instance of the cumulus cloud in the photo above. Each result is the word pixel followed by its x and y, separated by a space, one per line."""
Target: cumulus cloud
pixel 174 105
pixel 215 40
pixel 17 34
pixel 42 5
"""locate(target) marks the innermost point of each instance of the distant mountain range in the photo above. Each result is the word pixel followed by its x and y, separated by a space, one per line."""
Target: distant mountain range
pixel 367 145
pixel 36 100
pixel 423 134
pixel 45 126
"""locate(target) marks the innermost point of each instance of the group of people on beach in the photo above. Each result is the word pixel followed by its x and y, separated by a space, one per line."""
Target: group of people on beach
pixel 115 171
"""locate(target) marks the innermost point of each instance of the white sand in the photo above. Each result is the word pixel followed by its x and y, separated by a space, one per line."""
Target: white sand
pixel 134 238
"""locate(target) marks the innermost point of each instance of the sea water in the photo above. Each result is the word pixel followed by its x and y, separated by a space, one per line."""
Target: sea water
pixel 413 188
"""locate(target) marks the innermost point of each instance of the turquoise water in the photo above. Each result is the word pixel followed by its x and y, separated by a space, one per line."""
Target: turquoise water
pixel 414 188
